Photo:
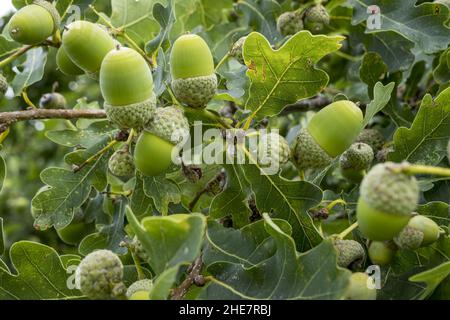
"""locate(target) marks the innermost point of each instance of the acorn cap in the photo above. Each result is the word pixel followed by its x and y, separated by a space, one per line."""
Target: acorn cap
pixel 125 78
pixel 190 58
pixel 388 191
pixel 3 86
pixel 133 115
pixel 307 154
pixel 170 124
pixel 152 154
pixel 237 50
pixel 358 157
pixel 52 10
pixel 87 44
pixel 140 285
pixel 66 65
pixel 32 24
pixel 409 238
pixel 373 138
pixel 289 23
pixel 195 92
pixel 336 127
pixel 429 228
pixel 121 163
pixel 273 148
pixel 349 252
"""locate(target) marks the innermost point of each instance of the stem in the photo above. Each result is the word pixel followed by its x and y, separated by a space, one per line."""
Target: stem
pixel 136 260
pixel 70 125
pixel 194 202
pixel 130 138
pixel 413 169
pixel 347 56
pixel 221 62
pixel 27 99
pixel 19 52
pixel 212 116
pixel 195 269
pixel 335 203
pixel 95 156
pixel 347 231
pixel 301 174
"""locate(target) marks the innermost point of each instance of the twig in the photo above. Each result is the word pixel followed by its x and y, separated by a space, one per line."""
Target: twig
pixel 95 156
pixel 193 277
pixel 315 103
pixel 8 118
pixel 16 54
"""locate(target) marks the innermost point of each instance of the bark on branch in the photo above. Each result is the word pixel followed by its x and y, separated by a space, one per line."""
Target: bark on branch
pixel 315 103
pixel 194 277
pixel 8 118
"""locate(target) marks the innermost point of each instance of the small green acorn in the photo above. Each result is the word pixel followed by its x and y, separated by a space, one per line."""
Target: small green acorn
pixel 316 18
pixel 194 81
pixel 66 65
pixel 387 199
pixel 330 132
pixel 381 253
pixel 3 86
pixel 355 161
pixel 144 285
pixel 359 288
pixel 121 163
pixel 34 23
pixel 273 149
pixel 126 83
pixel 87 44
pixel 373 138
pixel 419 232
pixel 53 100
pixel 140 295
pixel 350 252
pixel 99 275
pixel 289 23
pixel 153 150
pixel 237 49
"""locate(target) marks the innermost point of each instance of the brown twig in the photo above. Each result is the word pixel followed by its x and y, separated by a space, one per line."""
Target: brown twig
pixel 315 103
pixel 194 277
pixel 8 118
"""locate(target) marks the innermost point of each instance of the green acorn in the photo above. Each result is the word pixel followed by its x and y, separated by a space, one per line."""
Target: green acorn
pixel 381 253
pixel 289 23
pixel 387 199
pixel 194 81
pixel 373 138
pixel 87 44
pixel 419 232
pixel 329 133
pixel 52 100
pixel 126 83
pixel 350 252
pixel 140 295
pixel 66 65
pixel 139 286
pixel 316 18
pixel 273 149
pixel 359 288
pixel 34 23
pixel 121 163
pixel 154 148
pixel 3 86
pixel 355 161
pixel 99 275
pixel 237 49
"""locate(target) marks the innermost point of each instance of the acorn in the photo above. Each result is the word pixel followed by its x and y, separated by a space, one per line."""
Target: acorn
pixel 350 252
pixel 289 23
pixel 87 44
pixel 273 149
pixel 53 100
pixel 34 23
pixel 387 199
pixel 419 232
pixel 194 81
pixel 316 18
pixel 359 288
pixel 126 84
pixel 355 161
pixel 237 49
pixel 154 148
pixel 373 138
pixel 121 163
pixel 381 253
pixel 3 86
pixel 330 132
pixel 66 65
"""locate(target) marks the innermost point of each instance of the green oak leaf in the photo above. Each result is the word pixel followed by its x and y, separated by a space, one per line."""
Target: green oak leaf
pixel 432 278
pixel 442 71
pixel 163 191
pixel 63 6
pixel 135 18
pixel 422 24
pixel 2 238
pixel 282 274
pixel 166 19
pixel 372 70
pixel 7 46
pixel 284 76
pixel 233 200
pixel 288 200
pixel 382 94
pixel 140 203
pixel 31 72
pixel 169 241
pixel 41 275
pixel 162 285
pixel 425 142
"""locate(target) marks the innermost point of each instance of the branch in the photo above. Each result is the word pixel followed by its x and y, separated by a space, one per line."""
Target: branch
pixel 8 118
pixel 194 277
pixel 315 103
